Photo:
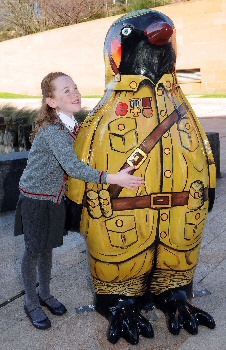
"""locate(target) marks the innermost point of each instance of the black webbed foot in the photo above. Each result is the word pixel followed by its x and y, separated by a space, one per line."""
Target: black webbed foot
pixel 125 319
pixel 181 313
pixel 211 195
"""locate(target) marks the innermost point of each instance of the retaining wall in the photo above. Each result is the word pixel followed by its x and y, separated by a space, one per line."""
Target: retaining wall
pixel 78 51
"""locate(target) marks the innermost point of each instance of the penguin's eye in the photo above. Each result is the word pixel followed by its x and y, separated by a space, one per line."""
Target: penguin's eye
pixel 126 31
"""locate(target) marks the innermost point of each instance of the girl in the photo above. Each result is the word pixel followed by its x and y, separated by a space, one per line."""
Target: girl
pixel 40 213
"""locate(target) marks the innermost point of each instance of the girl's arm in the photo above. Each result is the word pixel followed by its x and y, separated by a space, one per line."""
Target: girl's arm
pixel 124 179
pixel 61 144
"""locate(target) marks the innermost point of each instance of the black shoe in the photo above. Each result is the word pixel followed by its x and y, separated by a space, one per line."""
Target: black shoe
pixel 44 324
pixel 59 311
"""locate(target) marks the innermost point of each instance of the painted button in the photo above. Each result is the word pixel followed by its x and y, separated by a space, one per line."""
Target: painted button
pixel 168 173
pixel 121 127
pixel 163 234
pixel 166 134
pixel 119 223
pixel 163 113
pixel 166 150
pixel 164 216
pixel 133 85
pixel 187 126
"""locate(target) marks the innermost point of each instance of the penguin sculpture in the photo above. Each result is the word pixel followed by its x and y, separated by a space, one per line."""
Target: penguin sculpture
pixel 143 245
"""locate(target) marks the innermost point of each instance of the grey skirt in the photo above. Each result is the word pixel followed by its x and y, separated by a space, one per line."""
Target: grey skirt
pixel 42 223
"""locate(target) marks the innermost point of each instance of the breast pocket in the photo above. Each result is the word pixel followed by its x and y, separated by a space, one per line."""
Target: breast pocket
pixel 123 134
pixel 188 135
pixel 122 231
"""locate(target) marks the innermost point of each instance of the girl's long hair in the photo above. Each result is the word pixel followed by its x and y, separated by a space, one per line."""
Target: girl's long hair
pixel 46 115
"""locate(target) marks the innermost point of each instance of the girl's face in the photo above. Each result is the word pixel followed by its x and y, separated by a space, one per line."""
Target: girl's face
pixel 67 98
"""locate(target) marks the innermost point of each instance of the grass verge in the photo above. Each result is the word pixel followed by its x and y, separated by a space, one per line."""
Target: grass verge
pixel 12 95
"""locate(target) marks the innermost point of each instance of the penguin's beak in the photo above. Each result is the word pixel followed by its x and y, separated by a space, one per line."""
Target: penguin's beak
pixel 116 51
pixel 159 33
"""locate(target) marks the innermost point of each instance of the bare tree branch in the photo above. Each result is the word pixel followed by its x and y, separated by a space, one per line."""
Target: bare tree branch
pixel 30 16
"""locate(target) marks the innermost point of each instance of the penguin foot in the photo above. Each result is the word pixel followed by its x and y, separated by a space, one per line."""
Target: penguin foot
pixel 126 321
pixel 211 195
pixel 181 313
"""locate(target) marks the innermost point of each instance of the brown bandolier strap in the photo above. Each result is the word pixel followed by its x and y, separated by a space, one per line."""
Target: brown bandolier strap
pixel 154 201
pixel 141 152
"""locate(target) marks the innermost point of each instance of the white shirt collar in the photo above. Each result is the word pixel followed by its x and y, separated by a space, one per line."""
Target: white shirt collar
pixel 69 122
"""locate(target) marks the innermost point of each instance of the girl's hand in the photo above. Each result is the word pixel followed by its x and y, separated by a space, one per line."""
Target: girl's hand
pixel 124 179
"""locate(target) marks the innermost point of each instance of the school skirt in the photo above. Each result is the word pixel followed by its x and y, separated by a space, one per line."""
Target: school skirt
pixel 42 223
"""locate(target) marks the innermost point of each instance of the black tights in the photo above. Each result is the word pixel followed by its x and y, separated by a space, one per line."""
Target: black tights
pixel 31 263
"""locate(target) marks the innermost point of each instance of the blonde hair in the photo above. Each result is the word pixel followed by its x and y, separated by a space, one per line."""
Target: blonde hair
pixel 47 115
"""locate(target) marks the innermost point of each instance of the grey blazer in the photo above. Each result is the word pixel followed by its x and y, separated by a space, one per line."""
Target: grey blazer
pixel 51 156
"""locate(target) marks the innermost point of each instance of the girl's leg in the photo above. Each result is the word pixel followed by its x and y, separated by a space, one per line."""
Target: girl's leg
pixel 44 273
pixel 44 276
pixel 29 275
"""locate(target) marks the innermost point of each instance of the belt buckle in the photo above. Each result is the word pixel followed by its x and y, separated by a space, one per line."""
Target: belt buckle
pixel 161 200
pixel 137 158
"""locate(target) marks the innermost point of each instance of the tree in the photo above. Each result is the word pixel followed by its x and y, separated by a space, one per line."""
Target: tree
pixel 23 17
pixel 133 5
pixel 70 12
pixel 31 16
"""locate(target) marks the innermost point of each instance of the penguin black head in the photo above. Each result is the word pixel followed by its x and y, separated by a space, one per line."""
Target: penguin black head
pixel 142 43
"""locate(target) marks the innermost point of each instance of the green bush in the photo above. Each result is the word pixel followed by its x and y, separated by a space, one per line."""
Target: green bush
pixel 13 115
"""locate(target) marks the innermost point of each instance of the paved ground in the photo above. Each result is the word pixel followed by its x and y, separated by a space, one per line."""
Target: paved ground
pixel 71 282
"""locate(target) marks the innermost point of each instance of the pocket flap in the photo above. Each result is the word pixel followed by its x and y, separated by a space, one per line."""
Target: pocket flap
pixel 122 126
pixel 121 223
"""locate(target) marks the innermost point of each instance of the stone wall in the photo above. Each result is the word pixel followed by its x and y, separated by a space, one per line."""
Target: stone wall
pixel 78 51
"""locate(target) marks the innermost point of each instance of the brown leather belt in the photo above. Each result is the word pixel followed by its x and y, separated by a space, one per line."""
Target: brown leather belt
pixel 154 201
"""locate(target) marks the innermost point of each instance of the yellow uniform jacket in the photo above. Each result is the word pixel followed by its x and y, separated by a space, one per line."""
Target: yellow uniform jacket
pixel 158 227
